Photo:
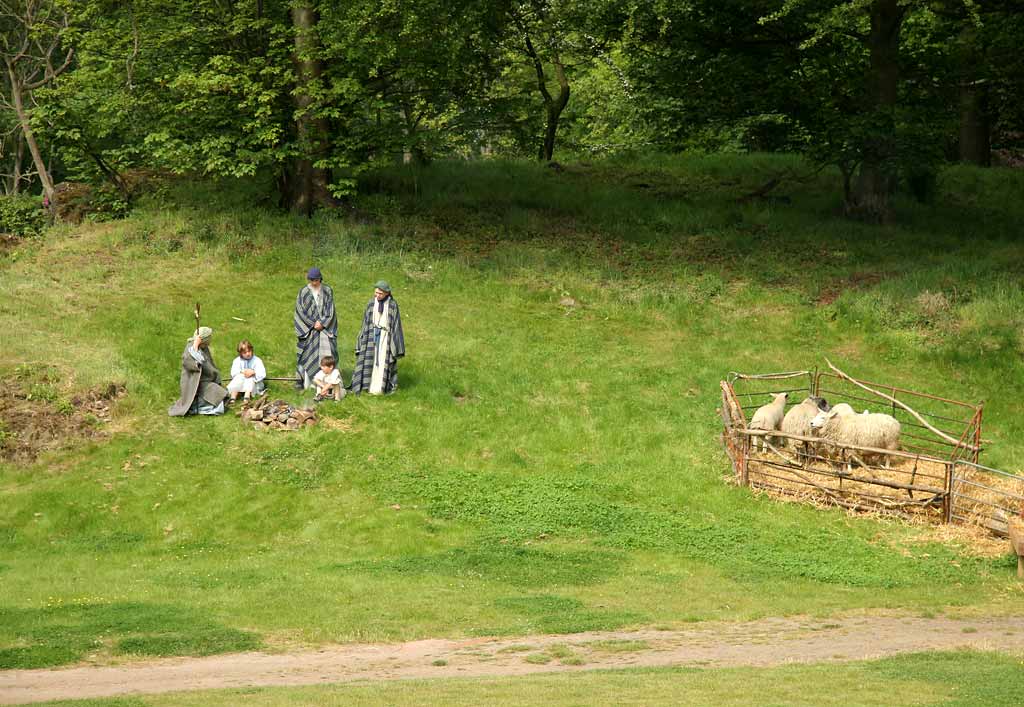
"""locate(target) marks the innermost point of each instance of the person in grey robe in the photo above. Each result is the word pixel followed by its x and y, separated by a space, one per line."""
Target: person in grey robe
pixel 201 389
pixel 316 328
pixel 379 345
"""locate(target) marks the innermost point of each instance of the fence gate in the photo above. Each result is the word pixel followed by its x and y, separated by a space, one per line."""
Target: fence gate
pixel 985 496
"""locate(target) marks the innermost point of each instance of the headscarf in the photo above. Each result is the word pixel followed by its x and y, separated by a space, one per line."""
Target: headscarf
pixel 205 333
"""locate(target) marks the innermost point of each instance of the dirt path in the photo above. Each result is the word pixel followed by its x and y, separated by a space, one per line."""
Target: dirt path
pixel 759 643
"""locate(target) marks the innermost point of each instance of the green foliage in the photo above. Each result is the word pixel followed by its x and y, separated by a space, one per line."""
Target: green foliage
pixel 194 89
pixel 22 215
pixel 801 75
pixel 106 203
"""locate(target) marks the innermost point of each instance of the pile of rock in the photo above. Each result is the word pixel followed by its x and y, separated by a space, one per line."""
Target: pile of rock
pixel 276 414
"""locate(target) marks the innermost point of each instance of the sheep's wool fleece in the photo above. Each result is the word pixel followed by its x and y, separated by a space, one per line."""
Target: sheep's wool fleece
pixel 798 419
pixel 875 430
pixel 768 417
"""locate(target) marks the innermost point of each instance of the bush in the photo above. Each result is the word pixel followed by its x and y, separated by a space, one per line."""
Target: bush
pixel 106 203
pixel 22 215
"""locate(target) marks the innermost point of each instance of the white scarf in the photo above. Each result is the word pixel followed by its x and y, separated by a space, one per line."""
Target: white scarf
pixel 317 295
pixel 380 359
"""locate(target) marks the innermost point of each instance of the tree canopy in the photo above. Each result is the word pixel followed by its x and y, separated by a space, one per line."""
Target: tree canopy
pixel 308 94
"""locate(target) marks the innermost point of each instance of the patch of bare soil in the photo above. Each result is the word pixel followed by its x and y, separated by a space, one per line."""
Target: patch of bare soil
pixel 763 643
pixel 8 242
pixel 857 281
pixel 34 419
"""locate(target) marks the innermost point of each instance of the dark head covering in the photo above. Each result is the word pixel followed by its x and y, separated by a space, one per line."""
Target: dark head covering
pixel 383 285
pixel 314 274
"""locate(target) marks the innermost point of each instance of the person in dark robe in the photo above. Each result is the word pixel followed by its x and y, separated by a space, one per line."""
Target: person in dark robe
pixel 379 345
pixel 201 389
pixel 316 327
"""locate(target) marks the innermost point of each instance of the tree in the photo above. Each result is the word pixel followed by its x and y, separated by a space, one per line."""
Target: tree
pixel 554 38
pixel 309 182
pixel 857 83
pixel 12 156
pixel 32 34
pixel 416 72
pixel 986 70
pixel 307 93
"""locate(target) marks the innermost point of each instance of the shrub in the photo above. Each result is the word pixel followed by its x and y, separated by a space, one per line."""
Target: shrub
pixel 22 215
pixel 106 203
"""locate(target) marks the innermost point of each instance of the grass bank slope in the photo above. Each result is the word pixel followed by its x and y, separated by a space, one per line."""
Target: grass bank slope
pixel 545 467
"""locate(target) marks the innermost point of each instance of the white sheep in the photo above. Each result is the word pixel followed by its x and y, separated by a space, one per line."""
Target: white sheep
pixel 840 409
pixel 798 420
pixel 843 428
pixel 768 417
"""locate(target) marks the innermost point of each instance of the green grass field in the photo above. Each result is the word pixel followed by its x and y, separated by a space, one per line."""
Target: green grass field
pixel 956 679
pixel 543 468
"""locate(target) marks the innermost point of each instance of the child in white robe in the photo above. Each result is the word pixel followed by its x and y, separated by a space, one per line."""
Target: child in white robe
pixel 247 373
pixel 328 380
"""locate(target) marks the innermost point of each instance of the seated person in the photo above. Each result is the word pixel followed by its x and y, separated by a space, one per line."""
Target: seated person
pixel 247 373
pixel 201 391
pixel 328 380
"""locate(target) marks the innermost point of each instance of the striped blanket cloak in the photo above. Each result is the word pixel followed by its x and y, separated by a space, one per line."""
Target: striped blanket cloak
pixel 366 348
pixel 312 345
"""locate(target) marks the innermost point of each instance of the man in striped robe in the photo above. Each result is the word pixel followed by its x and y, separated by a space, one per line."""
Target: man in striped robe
pixel 379 345
pixel 316 327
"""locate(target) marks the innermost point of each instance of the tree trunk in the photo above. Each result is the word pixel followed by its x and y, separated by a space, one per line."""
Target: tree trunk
pixel 111 174
pixel 413 152
pixel 876 181
pixel 553 106
pixel 19 157
pixel 307 184
pixel 30 138
pixel 975 127
pixel 554 110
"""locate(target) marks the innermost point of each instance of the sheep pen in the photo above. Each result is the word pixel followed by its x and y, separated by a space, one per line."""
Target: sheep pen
pixel 934 476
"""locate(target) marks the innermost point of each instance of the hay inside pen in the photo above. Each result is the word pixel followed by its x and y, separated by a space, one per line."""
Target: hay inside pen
pixel 935 477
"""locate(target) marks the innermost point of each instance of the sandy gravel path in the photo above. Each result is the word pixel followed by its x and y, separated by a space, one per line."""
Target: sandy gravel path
pixel 766 642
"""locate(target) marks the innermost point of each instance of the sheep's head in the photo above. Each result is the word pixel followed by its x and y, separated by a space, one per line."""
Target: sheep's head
pixel 819 420
pixel 816 402
pixel 780 397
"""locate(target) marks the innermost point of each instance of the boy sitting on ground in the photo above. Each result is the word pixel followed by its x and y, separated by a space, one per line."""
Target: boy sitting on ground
pixel 328 380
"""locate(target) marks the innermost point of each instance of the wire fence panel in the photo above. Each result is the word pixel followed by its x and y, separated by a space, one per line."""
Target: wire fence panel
pixel 985 496
pixel 935 472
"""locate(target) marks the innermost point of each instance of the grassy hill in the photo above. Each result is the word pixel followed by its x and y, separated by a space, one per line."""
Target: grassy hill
pixel 544 466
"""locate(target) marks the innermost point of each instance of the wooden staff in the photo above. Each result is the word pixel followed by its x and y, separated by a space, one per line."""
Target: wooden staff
pixel 196 312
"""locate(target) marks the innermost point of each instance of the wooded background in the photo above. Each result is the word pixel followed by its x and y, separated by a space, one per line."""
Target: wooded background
pixel 307 94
